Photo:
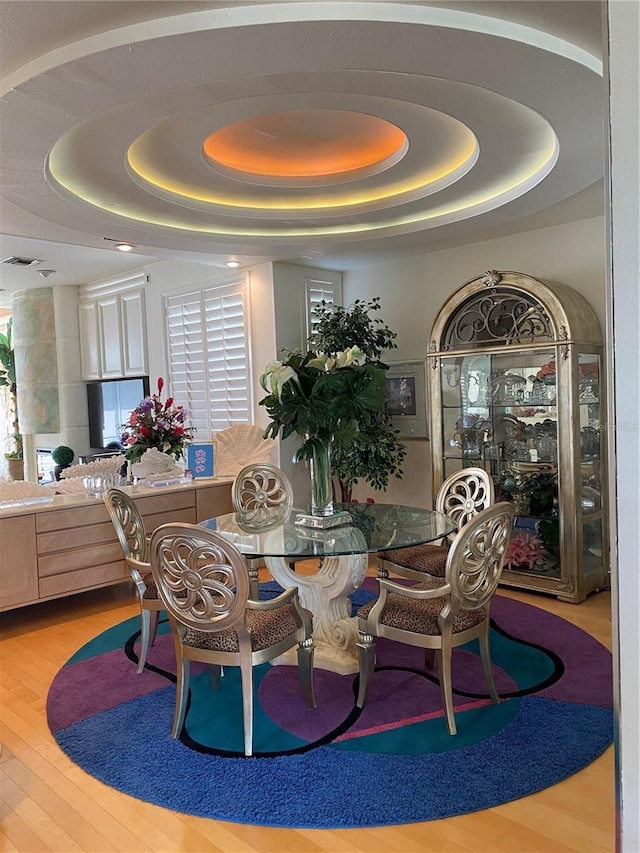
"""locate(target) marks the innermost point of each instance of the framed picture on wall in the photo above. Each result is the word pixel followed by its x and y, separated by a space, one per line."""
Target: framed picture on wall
pixel 406 398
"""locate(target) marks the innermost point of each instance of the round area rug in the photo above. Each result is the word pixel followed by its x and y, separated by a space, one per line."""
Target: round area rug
pixel 337 766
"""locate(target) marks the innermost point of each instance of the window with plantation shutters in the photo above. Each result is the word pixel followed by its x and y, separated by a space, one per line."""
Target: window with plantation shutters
pixel 318 291
pixel 208 353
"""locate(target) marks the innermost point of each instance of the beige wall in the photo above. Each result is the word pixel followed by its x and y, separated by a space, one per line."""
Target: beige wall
pixel 413 290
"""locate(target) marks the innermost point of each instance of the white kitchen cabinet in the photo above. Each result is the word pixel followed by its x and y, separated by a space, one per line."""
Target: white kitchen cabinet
pixel 89 340
pixel 113 335
pixel 134 333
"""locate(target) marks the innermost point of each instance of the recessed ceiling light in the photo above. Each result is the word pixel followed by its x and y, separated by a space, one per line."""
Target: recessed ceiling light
pixel 232 264
pixel 124 247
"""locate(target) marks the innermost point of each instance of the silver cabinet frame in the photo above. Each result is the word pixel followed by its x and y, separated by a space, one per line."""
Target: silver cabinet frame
pixel 515 319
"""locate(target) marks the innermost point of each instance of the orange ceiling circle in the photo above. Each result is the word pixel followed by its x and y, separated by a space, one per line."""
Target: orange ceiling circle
pixel 306 144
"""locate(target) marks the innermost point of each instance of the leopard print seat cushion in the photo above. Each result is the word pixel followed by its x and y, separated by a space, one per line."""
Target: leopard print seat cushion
pixel 430 559
pixel 421 616
pixel 151 590
pixel 267 627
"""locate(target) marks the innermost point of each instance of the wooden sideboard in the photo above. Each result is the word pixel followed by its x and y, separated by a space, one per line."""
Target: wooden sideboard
pixel 51 550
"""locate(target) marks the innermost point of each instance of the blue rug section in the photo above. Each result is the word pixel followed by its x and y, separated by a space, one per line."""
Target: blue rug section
pixel 328 787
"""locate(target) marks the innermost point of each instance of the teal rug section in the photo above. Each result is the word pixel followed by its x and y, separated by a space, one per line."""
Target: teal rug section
pixel 215 716
pixel 115 638
pixel 527 665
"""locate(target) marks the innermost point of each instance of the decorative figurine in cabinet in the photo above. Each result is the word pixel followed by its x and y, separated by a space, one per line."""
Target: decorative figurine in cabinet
pixel 517 387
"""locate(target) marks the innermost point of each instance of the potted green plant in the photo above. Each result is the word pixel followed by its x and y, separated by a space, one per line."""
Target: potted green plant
pixel 375 452
pixel 63 457
pixel 8 380
pixel 333 398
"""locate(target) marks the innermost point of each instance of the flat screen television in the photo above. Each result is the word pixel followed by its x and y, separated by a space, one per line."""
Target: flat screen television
pixel 110 403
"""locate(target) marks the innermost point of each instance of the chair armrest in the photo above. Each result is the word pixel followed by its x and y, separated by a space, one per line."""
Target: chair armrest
pixel 387 586
pixel 411 592
pixel 138 569
pixel 288 596
pixel 273 603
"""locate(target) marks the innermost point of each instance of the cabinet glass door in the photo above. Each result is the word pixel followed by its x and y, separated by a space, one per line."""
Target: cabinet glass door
pixel 589 400
pixel 500 413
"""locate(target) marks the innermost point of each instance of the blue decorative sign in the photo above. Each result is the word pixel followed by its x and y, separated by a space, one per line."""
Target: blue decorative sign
pixel 200 460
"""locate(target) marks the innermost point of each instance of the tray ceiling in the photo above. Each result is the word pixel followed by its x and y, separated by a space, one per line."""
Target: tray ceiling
pixel 337 134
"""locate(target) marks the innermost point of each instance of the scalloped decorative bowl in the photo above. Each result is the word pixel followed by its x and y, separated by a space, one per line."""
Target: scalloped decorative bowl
pixel 238 446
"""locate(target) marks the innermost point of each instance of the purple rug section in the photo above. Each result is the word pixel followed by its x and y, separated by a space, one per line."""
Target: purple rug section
pixel 394 696
pixel 579 651
pixel 73 695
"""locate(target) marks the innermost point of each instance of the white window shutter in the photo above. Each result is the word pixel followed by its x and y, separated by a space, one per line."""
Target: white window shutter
pixel 208 353
pixel 318 291
pixel 227 357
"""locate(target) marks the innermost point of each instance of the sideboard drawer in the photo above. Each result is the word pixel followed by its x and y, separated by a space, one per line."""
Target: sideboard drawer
pixel 78 536
pixel 187 515
pixel 65 519
pixel 82 558
pixel 69 582
pixel 169 502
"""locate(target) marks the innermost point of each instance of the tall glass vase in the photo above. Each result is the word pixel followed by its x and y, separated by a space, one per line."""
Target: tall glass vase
pixel 321 481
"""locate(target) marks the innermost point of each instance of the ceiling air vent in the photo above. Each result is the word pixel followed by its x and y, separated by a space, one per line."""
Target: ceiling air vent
pixel 20 262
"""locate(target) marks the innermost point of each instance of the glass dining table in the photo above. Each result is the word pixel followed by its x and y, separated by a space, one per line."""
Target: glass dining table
pixel 341 555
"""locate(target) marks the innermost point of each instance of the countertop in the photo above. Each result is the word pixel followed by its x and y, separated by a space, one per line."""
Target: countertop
pixel 66 501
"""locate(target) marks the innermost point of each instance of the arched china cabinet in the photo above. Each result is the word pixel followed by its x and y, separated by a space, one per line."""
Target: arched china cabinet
pixel 516 386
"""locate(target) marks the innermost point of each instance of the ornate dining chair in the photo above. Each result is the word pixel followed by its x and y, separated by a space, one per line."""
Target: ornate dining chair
pixel 440 617
pixel 258 490
pixel 259 487
pixel 203 582
pixel 461 497
pixel 134 542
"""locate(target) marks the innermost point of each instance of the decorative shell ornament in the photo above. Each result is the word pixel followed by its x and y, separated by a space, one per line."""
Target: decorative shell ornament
pixel 238 446
pixel 109 466
pixel 155 463
pixel 18 490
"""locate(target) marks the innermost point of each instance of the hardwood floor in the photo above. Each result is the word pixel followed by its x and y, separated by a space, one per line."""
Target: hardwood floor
pixel 49 804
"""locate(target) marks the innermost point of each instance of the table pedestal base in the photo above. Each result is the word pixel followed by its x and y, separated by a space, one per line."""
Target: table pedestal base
pixel 324 657
pixel 325 594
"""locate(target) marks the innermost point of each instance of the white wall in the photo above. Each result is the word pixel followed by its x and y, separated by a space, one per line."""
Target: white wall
pixel 413 290
pixel 262 319
pixel 624 81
